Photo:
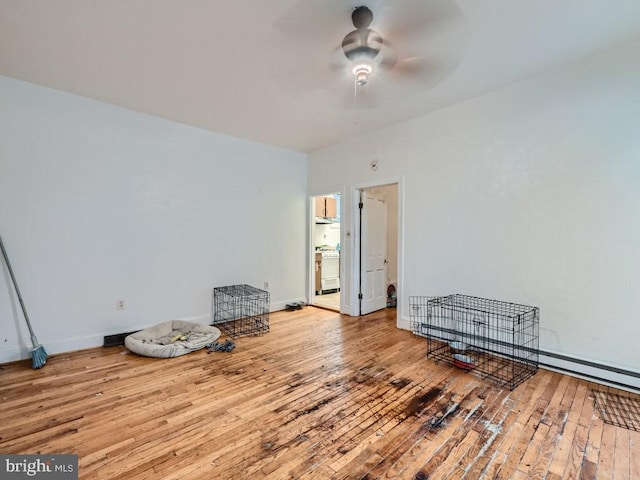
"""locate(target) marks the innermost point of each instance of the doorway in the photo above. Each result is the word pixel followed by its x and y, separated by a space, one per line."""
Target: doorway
pixel 326 281
pixel 378 248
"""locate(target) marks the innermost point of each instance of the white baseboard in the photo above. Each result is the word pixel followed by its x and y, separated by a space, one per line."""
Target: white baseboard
pixel 13 354
pixel 16 353
pixel 276 306
pixel 23 352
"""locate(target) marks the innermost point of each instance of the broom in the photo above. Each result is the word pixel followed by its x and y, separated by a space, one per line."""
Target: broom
pixel 38 354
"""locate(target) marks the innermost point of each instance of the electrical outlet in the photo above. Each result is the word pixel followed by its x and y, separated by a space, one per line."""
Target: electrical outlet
pixel 120 304
pixel 266 285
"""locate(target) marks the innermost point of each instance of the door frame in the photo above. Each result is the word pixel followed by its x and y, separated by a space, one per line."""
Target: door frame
pixel 352 260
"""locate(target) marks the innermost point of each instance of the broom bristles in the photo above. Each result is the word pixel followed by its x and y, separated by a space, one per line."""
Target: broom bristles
pixel 39 357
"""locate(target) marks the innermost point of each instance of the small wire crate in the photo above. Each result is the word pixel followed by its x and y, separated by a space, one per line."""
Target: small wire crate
pixel 240 310
pixel 493 339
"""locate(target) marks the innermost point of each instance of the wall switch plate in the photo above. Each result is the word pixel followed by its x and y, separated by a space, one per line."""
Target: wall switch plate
pixel 120 304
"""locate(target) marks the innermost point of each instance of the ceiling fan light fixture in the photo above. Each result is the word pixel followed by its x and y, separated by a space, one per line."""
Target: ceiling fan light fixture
pixel 362 71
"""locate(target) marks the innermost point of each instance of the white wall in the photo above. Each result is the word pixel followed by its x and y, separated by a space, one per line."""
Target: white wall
pixel 529 194
pixel 99 203
pixel 326 234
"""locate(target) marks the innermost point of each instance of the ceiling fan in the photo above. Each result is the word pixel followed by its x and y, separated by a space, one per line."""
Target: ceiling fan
pixel 428 43
pixel 363 46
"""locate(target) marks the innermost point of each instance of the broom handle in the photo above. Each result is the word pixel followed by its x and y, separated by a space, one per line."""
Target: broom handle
pixel 15 285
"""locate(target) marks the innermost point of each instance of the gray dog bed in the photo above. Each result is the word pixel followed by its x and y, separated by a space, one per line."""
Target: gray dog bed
pixel 171 339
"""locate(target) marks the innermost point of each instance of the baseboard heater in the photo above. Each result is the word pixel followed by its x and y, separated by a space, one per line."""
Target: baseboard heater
pixel 115 340
pixel 597 372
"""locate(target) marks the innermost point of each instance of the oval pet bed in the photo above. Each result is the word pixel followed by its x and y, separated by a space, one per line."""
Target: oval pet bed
pixel 171 339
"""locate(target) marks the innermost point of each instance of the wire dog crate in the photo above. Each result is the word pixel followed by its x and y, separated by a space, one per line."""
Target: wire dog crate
pixel 491 338
pixel 241 310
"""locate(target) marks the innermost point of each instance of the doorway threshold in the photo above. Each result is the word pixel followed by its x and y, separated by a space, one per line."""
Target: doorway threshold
pixel 329 301
pixel 324 307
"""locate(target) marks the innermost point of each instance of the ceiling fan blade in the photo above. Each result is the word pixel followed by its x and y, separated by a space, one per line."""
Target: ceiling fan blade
pixel 418 20
pixel 338 62
pixel 295 76
pixel 388 56
pixel 306 21
pixel 413 66
pixel 306 54
pixel 421 73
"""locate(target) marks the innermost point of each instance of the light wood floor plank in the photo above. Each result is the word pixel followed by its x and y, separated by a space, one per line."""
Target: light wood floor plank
pixel 621 461
pixel 634 446
pixel 607 453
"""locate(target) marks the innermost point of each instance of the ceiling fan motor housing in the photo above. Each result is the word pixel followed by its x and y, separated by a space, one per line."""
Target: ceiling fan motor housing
pixel 362 44
pixel 362 17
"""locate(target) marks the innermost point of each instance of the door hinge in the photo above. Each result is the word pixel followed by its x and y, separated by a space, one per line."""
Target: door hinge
pixel 360 205
pixel 359 296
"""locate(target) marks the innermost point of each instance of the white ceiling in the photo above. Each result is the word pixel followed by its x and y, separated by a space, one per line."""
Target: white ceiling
pixel 262 69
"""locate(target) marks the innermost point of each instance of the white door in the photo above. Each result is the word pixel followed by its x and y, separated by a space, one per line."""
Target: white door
pixel 373 251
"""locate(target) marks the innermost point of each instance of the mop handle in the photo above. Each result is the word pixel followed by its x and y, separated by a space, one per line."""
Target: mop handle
pixel 15 285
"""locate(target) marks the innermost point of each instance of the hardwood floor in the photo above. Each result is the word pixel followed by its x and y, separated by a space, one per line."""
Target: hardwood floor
pixel 328 300
pixel 320 396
